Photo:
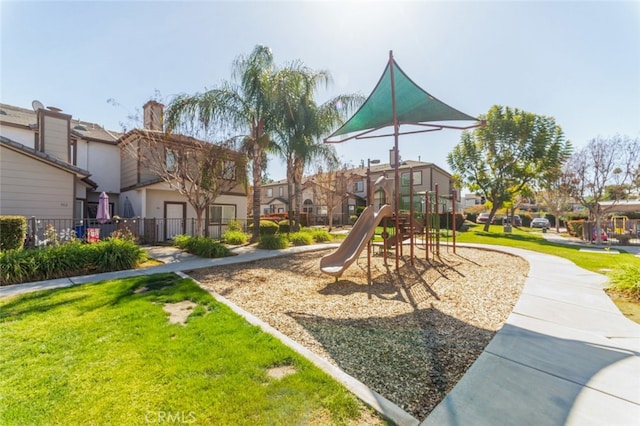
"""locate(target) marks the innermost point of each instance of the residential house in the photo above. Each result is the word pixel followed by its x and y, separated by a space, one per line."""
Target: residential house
pixel 54 166
pixel 425 178
pixel 152 197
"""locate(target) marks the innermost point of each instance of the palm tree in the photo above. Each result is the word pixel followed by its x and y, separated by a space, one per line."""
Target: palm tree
pixel 245 104
pixel 301 124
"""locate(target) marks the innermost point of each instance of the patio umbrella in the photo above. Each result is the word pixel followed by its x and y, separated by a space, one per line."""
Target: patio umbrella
pixel 128 208
pixel 103 208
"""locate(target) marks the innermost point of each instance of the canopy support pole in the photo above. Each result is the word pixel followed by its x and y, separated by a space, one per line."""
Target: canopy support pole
pixel 396 172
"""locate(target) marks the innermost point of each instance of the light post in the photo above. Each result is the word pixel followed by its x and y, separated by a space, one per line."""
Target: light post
pixel 369 163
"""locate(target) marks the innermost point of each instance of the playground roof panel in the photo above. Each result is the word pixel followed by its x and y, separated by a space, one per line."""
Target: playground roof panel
pixel 413 106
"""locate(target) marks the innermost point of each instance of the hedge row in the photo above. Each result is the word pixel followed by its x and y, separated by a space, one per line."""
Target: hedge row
pixel 71 259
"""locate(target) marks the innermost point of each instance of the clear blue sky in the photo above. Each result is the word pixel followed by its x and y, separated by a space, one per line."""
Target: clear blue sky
pixel 576 61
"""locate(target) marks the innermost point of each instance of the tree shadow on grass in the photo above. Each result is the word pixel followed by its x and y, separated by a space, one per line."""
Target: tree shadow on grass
pixel 82 299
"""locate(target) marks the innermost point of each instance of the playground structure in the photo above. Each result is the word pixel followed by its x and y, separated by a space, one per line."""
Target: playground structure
pixel 396 100
pixel 409 225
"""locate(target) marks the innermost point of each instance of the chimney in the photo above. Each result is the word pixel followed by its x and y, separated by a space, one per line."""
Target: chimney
pixel 153 116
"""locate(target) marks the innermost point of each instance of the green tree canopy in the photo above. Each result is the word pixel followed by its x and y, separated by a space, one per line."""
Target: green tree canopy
pixel 513 151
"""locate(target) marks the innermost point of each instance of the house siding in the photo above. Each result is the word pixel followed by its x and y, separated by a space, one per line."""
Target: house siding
pixel 29 187
pixel 128 169
pixel 23 136
pixel 103 161
pixel 56 137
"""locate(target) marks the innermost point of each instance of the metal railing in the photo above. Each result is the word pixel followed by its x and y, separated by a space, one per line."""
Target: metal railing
pixel 629 234
pixel 43 232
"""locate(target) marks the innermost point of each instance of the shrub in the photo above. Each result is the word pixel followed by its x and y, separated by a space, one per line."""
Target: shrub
pixel 234 237
pixel 13 231
pixel 283 226
pixel 300 238
pixel 626 279
pixel 320 235
pixel 273 242
pixel 115 254
pixel 446 221
pixel 74 258
pixel 17 266
pixel 267 227
pixel 200 246
pixel 234 225
pixel 472 217
pixel 574 227
pixel 181 241
pixel 353 218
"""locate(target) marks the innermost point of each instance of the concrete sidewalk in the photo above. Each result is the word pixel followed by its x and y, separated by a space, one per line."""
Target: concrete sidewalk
pixel 175 260
pixel 566 355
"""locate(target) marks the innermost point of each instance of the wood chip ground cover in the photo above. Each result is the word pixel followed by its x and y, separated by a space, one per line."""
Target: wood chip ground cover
pixel 410 335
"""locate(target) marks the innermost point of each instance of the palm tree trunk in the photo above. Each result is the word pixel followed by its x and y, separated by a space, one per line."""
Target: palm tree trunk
pixel 298 171
pixel 257 191
pixel 290 194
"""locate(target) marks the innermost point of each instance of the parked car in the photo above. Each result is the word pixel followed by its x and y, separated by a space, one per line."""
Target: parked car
pixel 540 222
pixel 482 218
pixel 517 221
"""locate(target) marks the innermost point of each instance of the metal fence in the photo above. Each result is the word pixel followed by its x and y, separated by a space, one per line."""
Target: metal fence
pixel 616 233
pixel 44 232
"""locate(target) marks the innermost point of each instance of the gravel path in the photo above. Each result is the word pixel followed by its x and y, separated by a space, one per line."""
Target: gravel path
pixel 409 335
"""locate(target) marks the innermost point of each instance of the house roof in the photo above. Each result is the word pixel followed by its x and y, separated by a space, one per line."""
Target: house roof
pixel 48 159
pixel 622 206
pixel 27 118
pixel 404 165
pixel 278 199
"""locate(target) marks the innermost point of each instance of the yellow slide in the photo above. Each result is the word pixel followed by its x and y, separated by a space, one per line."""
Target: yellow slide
pixel 337 262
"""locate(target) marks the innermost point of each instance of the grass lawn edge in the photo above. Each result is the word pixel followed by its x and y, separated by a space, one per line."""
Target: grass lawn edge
pixel 371 398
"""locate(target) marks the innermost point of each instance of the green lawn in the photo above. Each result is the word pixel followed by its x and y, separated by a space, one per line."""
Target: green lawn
pixel 102 354
pixel 532 240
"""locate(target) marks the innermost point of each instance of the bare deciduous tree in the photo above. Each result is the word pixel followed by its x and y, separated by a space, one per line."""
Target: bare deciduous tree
pixel 199 170
pixel 602 162
pixel 332 187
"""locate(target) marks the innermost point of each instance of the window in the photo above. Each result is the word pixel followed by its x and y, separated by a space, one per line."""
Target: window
pixel 417 178
pixel 359 186
pixel 269 192
pixel 78 211
pixel 171 160
pixel 73 144
pixel 219 213
pixel 229 170
pixel 281 190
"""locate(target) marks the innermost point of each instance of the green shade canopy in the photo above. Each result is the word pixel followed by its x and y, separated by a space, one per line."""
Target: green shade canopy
pixel 414 106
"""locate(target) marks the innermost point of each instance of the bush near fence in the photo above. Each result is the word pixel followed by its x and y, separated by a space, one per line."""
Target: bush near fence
pixel 13 232
pixel 69 259
pixel 574 227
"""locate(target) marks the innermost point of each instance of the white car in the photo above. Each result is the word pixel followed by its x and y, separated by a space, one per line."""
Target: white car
pixel 540 222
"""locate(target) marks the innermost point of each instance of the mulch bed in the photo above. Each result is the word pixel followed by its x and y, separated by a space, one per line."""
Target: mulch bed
pixel 410 335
